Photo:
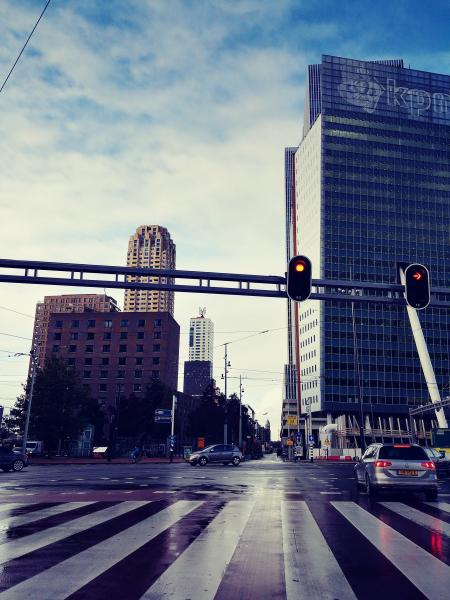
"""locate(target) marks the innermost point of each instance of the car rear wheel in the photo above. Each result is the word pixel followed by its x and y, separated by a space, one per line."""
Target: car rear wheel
pixel 6 469
pixel 431 495
pixel 203 460
pixel 357 482
pixel 236 460
pixel 226 463
pixel 18 465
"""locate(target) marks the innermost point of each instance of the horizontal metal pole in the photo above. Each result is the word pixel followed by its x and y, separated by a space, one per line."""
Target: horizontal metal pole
pixel 137 285
pixel 131 271
pixel 200 289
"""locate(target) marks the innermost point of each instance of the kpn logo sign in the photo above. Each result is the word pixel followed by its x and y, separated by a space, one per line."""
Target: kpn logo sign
pixel 363 90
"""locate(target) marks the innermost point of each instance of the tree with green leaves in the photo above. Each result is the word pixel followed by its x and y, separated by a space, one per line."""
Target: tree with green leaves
pixel 61 407
pixel 136 414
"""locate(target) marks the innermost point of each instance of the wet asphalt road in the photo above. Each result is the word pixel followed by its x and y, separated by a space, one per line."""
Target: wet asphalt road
pixel 266 529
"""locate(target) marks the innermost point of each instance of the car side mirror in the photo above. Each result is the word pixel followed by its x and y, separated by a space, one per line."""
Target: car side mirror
pixel 442 453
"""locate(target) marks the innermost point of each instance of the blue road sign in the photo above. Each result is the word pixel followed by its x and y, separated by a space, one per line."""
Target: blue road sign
pixel 311 438
pixel 163 412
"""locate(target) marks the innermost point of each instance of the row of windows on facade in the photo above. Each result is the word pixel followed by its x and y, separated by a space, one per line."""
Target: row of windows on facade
pixel 427 130
pixel 103 387
pixel 107 323
pixel 367 152
pixel 309 326
pixel 107 335
pixel 105 361
pixel 308 341
pixel 308 355
pixel 121 374
pixel 107 348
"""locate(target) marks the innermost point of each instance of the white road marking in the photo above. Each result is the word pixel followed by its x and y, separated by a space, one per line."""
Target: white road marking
pixel 411 560
pixel 445 506
pixel 40 514
pixel 21 546
pixel 10 506
pixel 212 549
pixel 311 570
pixel 330 492
pixel 70 575
pixel 419 517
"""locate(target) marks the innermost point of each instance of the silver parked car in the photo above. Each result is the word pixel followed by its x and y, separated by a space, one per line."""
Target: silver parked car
pixel 397 467
pixel 219 453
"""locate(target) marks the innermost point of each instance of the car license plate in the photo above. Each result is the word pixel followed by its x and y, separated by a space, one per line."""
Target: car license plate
pixel 408 472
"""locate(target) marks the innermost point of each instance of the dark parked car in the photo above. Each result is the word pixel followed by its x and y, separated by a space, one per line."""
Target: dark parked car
pixel 223 453
pixel 441 463
pixel 12 461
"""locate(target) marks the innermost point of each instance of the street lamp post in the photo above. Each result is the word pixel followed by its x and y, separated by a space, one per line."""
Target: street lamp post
pixel 240 412
pixel 30 399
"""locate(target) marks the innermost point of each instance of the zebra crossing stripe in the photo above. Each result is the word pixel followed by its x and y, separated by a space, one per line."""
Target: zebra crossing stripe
pixel 41 514
pixel 444 506
pixel 198 572
pixel 29 543
pixel 311 570
pixel 408 557
pixel 65 578
pixel 432 523
pixel 9 506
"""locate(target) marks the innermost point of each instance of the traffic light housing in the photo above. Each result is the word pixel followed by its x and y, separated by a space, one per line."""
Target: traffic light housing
pixel 417 286
pixel 299 278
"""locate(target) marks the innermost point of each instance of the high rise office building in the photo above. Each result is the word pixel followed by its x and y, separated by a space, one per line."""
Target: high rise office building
pixel 372 189
pixel 198 370
pixel 201 338
pixel 151 247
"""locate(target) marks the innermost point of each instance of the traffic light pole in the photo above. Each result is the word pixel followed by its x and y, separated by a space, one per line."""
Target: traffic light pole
pixel 424 358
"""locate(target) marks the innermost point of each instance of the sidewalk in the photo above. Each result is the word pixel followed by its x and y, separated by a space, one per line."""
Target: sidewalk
pixel 122 460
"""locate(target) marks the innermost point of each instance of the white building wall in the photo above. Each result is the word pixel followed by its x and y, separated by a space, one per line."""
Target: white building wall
pixel 308 197
pixel 201 339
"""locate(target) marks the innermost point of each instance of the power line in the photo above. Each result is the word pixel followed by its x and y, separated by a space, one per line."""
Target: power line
pixel 15 336
pixel 16 311
pixel 24 46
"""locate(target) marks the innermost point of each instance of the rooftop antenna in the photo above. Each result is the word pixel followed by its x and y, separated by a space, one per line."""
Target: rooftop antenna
pixel 202 311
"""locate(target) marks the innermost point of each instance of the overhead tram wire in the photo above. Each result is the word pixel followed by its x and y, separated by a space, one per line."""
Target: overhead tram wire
pixel 15 336
pixel 24 46
pixel 16 311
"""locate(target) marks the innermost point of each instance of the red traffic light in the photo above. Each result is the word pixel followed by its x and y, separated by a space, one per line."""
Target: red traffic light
pixel 299 278
pixel 417 286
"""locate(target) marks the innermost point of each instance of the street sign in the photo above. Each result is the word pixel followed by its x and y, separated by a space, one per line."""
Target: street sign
pixel 298 436
pixel 163 412
pixel 163 415
pixel 311 438
pixel 292 420
pixel 200 442
pixel 163 419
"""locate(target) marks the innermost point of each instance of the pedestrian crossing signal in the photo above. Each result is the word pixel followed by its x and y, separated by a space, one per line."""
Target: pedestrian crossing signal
pixel 299 278
pixel 417 286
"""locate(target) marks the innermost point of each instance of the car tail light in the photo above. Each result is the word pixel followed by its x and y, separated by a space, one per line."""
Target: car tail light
pixel 429 465
pixel 402 445
pixel 381 464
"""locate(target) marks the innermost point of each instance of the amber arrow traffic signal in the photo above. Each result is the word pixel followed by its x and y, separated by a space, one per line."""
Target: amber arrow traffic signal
pixel 299 278
pixel 417 286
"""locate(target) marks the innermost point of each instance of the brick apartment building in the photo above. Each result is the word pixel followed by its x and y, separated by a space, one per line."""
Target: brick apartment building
pixel 116 353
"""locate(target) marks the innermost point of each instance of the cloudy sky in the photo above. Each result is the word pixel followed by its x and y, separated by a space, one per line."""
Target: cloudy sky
pixel 176 113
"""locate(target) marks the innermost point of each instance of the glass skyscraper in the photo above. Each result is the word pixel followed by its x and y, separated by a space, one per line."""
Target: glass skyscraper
pixel 372 189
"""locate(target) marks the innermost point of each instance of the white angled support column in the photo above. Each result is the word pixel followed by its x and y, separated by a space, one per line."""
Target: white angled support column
pixel 425 360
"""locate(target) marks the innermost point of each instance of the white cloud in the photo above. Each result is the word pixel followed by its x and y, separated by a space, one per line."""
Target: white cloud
pixel 177 120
